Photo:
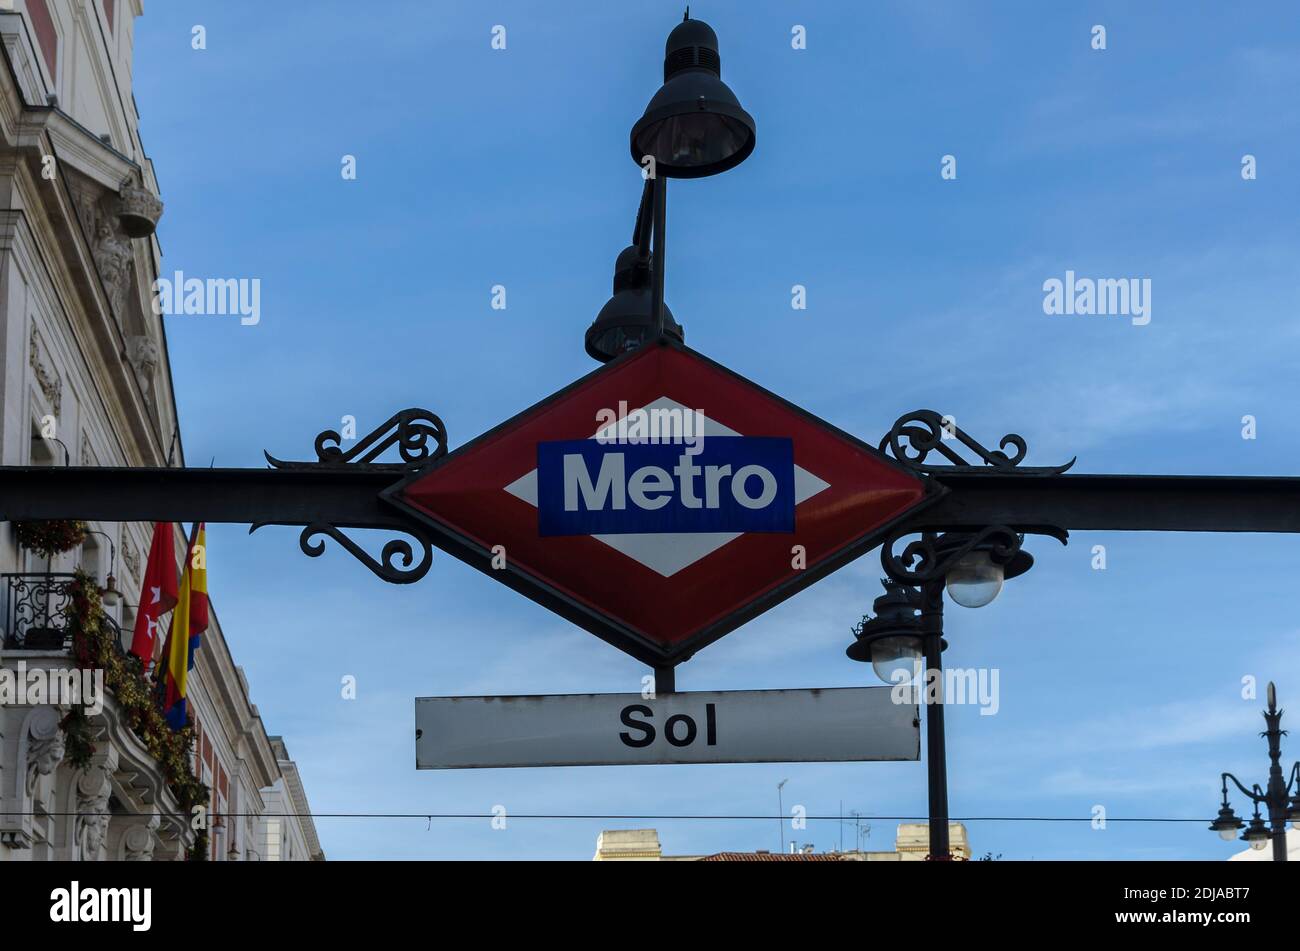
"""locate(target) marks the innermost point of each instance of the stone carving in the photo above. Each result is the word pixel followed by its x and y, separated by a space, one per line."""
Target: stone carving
pixel 46 379
pixel 142 353
pixel 139 841
pixel 85 202
pixel 138 211
pixel 131 557
pixel 113 257
pixel 91 829
pixel 45 747
pixel 109 244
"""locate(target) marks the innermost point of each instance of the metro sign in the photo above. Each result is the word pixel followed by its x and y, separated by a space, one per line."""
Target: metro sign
pixel 661 501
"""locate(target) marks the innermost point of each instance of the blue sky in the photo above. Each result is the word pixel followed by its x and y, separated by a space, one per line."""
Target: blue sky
pixel 478 167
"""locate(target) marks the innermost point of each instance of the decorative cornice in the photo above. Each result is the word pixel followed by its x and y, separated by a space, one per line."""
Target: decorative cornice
pixel 46 378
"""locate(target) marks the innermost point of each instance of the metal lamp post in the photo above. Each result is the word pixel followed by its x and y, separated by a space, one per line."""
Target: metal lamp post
pixel 908 626
pixel 1282 804
pixel 693 127
pixel 109 593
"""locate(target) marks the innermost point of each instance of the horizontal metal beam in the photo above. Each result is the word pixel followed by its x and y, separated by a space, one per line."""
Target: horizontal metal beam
pixel 1145 503
pixel 348 497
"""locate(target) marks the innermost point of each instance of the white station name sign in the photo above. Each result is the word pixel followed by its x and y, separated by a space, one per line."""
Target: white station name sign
pixel 604 729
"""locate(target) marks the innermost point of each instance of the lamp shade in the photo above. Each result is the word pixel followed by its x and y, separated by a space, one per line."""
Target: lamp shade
pixel 694 125
pixel 627 320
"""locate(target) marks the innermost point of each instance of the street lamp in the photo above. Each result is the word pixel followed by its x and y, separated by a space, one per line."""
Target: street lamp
pixel 780 810
pixel 693 127
pixel 976 577
pixel 909 625
pixel 109 593
pixel 1282 805
pixel 1227 822
pixel 628 320
pixel 891 641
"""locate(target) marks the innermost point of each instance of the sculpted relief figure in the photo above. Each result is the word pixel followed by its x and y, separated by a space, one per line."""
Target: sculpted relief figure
pixel 91 829
pixel 139 841
pixel 114 258
pixel 45 747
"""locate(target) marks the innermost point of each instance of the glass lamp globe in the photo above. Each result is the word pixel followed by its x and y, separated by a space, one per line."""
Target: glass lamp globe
pixel 974 580
pixel 1257 835
pixel 1227 835
pixel 897 659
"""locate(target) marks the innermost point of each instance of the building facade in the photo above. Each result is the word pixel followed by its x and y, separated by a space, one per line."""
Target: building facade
pixel 86 382
pixel 911 844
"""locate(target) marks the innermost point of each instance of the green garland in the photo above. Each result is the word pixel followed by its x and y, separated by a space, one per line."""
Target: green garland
pixel 76 732
pixel 93 649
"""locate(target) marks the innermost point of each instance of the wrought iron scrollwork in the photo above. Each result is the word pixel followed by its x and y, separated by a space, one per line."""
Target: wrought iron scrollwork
pixel 930 557
pixel 419 437
pixel 922 432
pixel 397 562
pixel 36 611
pixel 410 431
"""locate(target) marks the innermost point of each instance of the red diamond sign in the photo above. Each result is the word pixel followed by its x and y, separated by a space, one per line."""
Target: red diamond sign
pixel 661 501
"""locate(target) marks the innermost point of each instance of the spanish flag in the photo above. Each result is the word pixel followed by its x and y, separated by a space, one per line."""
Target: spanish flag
pixel 189 621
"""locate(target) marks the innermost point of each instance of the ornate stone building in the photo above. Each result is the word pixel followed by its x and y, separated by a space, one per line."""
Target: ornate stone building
pixel 86 381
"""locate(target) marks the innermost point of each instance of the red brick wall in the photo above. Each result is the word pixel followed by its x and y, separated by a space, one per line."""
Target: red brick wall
pixel 46 35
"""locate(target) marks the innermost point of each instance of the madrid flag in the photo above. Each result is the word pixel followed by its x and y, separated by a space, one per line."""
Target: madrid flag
pixel 158 594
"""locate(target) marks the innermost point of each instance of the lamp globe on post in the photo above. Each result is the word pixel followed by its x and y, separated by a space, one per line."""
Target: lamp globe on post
pixel 1227 824
pixel 627 321
pixel 1257 835
pixel 976 578
pixel 891 641
pixel 694 126
pixel 109 593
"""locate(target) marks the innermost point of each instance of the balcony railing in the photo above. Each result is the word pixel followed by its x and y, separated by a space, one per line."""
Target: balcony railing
pixel 34 612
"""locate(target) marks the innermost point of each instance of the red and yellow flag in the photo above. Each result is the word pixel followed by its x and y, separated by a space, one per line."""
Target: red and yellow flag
pixel 189 621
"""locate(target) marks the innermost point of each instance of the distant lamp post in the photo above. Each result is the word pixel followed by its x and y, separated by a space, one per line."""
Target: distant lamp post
pixel 780 810
pixel 1282 805
pixel 693 127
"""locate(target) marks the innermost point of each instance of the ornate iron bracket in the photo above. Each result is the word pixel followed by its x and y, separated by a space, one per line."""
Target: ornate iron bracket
pixel 387 568
pixel 932 434
pixel 409 430
pixel 400 561
pixel 929 558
